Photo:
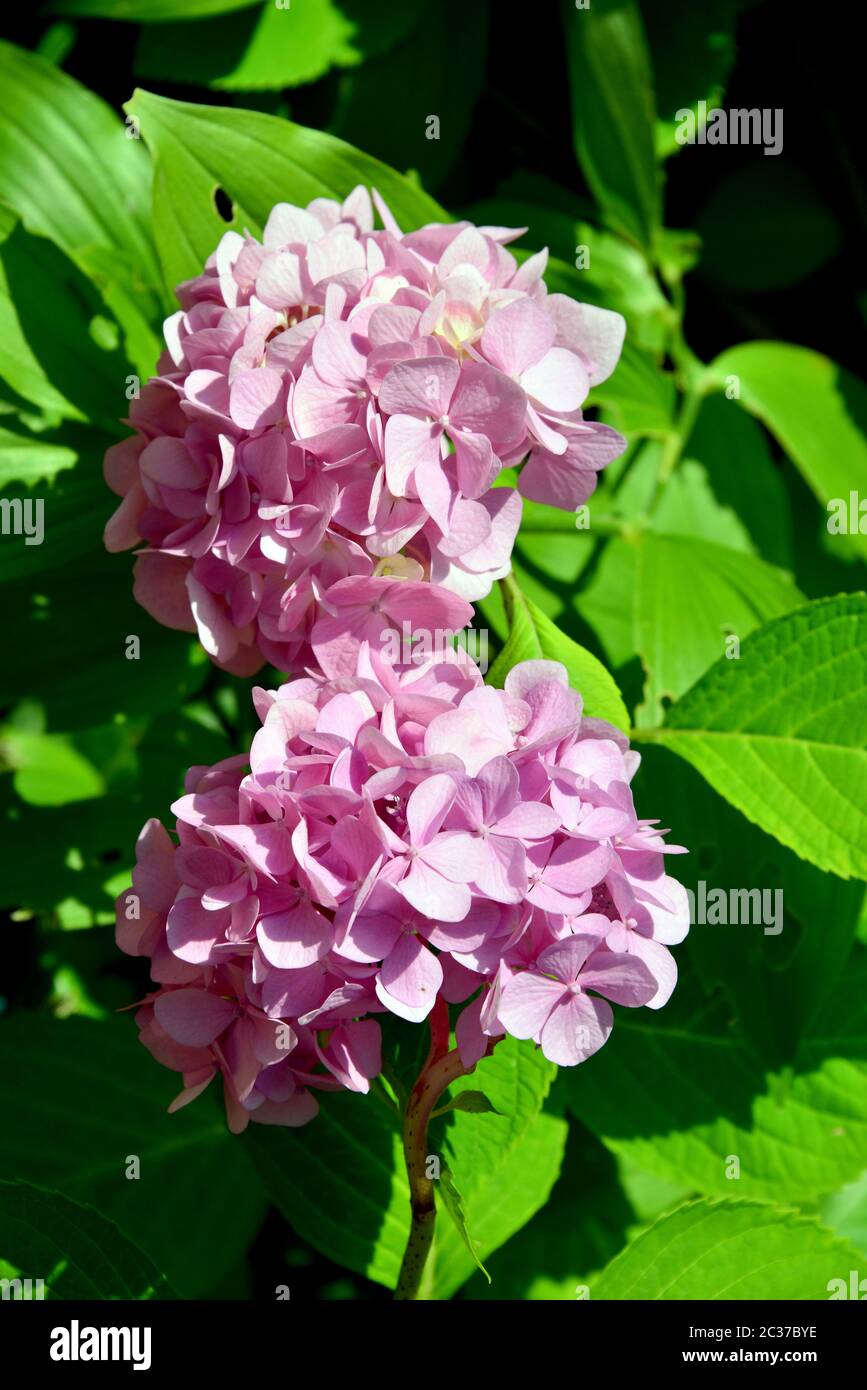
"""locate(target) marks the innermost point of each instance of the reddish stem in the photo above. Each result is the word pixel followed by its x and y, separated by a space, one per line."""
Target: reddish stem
pixel 440 1070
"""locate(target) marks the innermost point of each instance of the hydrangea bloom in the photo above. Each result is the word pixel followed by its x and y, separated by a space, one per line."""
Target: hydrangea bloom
pixel 334 404
pixel 395 835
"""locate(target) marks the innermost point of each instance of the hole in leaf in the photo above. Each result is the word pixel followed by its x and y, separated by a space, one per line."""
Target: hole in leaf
pixel 224 205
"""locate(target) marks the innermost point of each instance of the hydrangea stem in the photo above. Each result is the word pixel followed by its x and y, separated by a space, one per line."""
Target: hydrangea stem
pixel 439 1071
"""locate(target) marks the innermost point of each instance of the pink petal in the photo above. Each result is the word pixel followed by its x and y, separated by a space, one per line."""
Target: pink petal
pixel 526 1003
pixel 596 333
pixel 193 1016
pixel 434 896
pixel 427 807
pixel 410 444
pixel 487 402
pixel 256 398
pixel 422 387
pixel 293 939
pixel 476 463
pixel 558 383
pixel 412 974
pixel 577 1028
pixel 623 978
pixel 192 931
pixel 566 958
pixel 516 336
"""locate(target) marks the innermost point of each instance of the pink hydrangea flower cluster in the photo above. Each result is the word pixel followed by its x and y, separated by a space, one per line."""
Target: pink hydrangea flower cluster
pixel 334 405
pixel 397 835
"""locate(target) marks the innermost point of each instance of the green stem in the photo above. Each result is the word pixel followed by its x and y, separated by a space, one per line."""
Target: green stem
pixel 677 439
pixel 440 1070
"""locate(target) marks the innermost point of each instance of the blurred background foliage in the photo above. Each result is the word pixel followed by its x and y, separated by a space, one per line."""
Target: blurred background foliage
pixel 726 263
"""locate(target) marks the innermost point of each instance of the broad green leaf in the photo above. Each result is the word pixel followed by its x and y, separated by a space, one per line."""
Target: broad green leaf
pixel 613 113
pixel 689 596
pixel 272 47
pixel 781 732
pixel 148 11
pixel 49 769
pixel 89 674
pixel 765 227
pixel 845 1212
pixel 26 458
pixel 75 505
pixel 817 411
pixel 754 491
pixel 505 1164
pixel 59 349
pixel 341 1182
pixel 69 866
pixel 786 936
pixel 75 1250
pixel 682 1097
pixel 692 49
pixel 444 89
pixel 451 1199
pixel 257 161
pixel 532 636
pixel 607 602
pixel 728 1250
pixel 81 1099
pixel 69 170
pixel 586 1220
pixel 686 506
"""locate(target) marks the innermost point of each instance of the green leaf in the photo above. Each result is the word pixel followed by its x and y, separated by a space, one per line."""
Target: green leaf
pixel 26 458
pixel 613 113
pixel 75 1250
pixel 453 1202
pixel 846 1212
pixel 817 411
pixel 257 161
pixel 701 500
pixel 49 769
pixel 532 637
pixel 506 1164
pixel 102 678
pixel 728 1250
pixel 148 11
pixel 588 1217
pixel 689 595
pixel 271 47
pixel 781 952
pixel 781 732
pixel 71 865
pixel 693 49
pixel 473 1102
pixel 58 349
pixel 445 85
pixel 341 1181
pixel 755 491
pixel 69 170
pixel 80 1099
pixel 682 1096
